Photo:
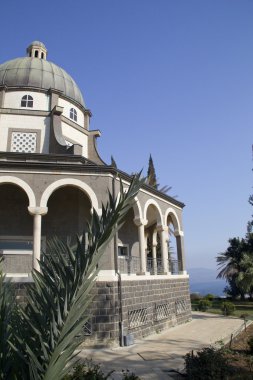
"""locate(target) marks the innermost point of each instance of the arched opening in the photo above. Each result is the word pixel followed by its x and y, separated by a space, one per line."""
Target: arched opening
pixel 42 55
pixel 36 54
pixel 16 230
pixel 69 210
pixel 153 240
pixel 174 244
pixel 128 246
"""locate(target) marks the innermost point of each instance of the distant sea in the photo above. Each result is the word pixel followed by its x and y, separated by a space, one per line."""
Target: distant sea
pixel 203 281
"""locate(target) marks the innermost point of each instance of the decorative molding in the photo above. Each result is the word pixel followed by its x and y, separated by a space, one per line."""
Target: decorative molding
pixel 38 210
pixel 19 182
pixel 70 182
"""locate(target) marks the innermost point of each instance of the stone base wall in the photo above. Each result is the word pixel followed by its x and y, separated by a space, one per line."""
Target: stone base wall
pixel 150 306
pixel 146 307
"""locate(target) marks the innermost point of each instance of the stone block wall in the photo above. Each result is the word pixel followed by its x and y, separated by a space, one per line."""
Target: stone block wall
pixel 147 307
pixel 150 306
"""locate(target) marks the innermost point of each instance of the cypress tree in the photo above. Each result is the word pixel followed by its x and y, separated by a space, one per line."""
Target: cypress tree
pixel 151 175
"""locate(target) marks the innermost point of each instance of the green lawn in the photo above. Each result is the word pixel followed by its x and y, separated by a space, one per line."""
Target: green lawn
pixel 242 308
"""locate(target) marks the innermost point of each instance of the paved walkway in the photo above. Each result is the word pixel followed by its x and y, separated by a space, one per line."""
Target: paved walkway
pixel 155 357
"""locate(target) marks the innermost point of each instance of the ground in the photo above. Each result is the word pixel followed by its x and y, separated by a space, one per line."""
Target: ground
pixel 240 356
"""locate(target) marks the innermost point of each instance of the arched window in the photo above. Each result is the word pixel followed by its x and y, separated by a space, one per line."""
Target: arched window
pixel 27 101
pixel 73 114
pixel 36 53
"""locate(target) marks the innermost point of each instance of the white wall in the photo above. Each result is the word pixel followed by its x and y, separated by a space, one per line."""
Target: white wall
pixel 12 99
pixel 25 122
pixel 66 108
pixel 75 136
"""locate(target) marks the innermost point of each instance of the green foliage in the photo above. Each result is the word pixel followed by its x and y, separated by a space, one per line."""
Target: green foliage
pixel 209 364
pixel 113 163
pixel 204 304
pixel 87 371
pixel 10 324
pixel 91 371
pixel 151 175
pixel 250 343
pixel 209 297
pixel 227 308
pixel 127 375
pixel 195 297
pixel 44 334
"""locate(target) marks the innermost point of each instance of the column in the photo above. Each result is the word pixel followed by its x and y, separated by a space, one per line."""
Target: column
pixel 154 245
pixel 37 213
pixel 180 251
pixel 140 223
pixel 163 233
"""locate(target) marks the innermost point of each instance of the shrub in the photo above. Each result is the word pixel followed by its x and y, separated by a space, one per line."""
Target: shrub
pixel 244 316
pixel 195 297
pixel 209 364
pixel 250 343
pixel 227 308
pixel 209 297
pixel 127 375
pixel 204 304
pixel 91 371
pixel 87 371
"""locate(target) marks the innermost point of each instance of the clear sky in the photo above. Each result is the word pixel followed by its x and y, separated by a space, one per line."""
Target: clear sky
pixel 173 78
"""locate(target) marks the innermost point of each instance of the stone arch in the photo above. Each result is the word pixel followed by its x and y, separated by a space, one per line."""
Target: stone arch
pixel 176 224
pixel 156 205
pixel 137 209
pixel 70 182
pixel 20 183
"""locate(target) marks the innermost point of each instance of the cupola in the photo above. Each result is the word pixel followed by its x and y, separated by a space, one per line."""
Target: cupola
pixel 37 50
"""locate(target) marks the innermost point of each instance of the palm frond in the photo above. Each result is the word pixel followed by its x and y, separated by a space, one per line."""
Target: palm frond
pixel 59 301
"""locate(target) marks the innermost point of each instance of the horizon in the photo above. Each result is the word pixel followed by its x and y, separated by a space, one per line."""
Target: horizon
pixel 170 79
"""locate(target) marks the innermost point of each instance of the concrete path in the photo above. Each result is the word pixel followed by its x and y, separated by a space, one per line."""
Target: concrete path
pixel 155 357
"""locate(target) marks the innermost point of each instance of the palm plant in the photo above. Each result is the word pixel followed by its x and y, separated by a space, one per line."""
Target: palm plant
pixel 229 264
pixel 8 318
pixel 229 261
pixel 245 276
pixel 59 300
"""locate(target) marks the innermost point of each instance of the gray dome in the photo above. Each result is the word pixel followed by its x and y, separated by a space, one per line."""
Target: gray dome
pixel 37 43
pixel 40 74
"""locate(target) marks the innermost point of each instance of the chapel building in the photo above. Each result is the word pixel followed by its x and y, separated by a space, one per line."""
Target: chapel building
pixel 51 177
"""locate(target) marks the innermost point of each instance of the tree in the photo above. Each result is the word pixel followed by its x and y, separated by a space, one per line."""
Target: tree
pixel 229 263
pixel 151 179
pixel 44 335
pixel 151 175
pixel 113 163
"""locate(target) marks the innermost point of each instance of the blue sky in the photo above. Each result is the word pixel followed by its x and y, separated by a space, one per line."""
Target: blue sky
pixel 173 78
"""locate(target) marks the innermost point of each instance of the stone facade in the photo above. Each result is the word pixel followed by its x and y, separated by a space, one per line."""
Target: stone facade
pixel 51 180
pixel 146 307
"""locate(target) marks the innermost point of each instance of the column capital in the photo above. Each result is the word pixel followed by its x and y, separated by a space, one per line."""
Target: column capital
pixel 178 233
pixel 38 210
pixel 161 228
pixel 140 222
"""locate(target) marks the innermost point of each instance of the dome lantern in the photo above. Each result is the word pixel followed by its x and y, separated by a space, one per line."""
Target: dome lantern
pixel 37 50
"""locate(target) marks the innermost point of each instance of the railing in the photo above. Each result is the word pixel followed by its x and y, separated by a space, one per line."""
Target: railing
pixel 155 266
pixel 131 264
pixel 174 266
pixel 16 261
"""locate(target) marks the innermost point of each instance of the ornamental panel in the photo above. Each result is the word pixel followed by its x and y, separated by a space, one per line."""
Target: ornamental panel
pixel 24 142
